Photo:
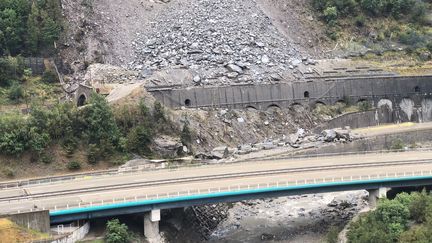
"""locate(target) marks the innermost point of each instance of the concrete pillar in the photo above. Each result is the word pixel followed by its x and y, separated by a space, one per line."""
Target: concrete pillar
pixel 375 194
pixel 151 226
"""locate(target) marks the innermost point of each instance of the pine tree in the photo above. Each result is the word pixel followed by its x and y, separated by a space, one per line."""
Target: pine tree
pixel 33 29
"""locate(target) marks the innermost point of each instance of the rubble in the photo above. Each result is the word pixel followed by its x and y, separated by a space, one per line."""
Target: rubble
pixel 217 40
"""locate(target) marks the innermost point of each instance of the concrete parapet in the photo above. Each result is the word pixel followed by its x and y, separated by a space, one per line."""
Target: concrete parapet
pixel 39 220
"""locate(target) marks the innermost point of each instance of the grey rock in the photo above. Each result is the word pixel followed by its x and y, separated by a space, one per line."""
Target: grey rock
pixel 329 135
pixel 234 68
pixel 265 59
pixel 197 79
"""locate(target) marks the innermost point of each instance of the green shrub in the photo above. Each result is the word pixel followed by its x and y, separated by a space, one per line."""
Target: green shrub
pixel 397 144
pixel 11 70
pixel 360 20
pixel 93 154
pixel 16 92
pixel 74 165
pixel 49 76
pixel 139 140
pixel 116 232
pixel 46 159
pixel 330 14
pixel 364 105
pixel 332 235
pixel 411 37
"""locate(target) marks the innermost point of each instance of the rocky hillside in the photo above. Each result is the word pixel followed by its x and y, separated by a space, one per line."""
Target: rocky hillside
pixel 217 42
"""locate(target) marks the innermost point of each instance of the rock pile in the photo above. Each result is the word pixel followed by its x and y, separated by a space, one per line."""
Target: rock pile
pixel 221 41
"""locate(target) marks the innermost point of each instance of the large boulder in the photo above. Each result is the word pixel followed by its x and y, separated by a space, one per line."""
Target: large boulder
pixel 329 135
pixel 166 146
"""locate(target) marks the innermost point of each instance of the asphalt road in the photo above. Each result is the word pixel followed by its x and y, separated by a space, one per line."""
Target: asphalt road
pixel 192 179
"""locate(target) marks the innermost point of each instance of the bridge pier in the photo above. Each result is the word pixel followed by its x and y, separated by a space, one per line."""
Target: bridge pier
pixel 375 194
pixel 151 226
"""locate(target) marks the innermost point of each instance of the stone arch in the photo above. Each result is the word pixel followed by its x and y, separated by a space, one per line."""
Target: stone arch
pixel 384 113
pixel 319 102
pixel 82 100
pixel 385 103
pixel 426 110
pixel 295 104
pixel 306 94
pixel 407 107
pixel 273 106
pixel 417 89
pixel 251 107
pixel 341 102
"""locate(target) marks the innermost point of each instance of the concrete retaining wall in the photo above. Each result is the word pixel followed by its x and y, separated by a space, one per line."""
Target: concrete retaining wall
pixel 383 142
pixel 284 95
pixel 76 235
pixel 39 221
pixel 359 119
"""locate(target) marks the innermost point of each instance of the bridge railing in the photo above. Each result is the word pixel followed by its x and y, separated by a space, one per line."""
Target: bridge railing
pixel 153 167
pixel 214 191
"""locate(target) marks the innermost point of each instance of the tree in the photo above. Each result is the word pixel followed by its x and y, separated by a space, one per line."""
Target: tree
pixel 10 26
pixel 418 205
pixel 139 140
pixel 116 232
pixel 186 137
pixel 33 27
pixel 50 31
pixel 99 121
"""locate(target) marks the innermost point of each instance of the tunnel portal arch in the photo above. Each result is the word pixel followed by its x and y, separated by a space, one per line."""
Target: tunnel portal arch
pixel 82 100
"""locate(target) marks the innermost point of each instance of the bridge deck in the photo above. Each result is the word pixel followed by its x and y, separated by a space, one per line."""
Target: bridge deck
pixel 213 178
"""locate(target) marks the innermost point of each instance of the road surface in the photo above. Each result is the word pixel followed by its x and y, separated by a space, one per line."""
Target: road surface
pixel 193 180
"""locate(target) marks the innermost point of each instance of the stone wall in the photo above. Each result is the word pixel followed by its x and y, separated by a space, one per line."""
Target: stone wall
pixel 374 89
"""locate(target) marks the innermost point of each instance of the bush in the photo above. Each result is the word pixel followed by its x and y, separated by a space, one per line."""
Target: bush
pixel 186 137
pixel 332 235
pixel 139 140
pixel 93 154
pixel 116 232
pixel 397 144
pixel 412 38
pixel 372 7
pixel 9 172
pixel 330 14
pixel 49 76
pixel 11 70
pixel 364 105
pixel 74 165
pixel 16 92
pixel 360 21
pixel 46 159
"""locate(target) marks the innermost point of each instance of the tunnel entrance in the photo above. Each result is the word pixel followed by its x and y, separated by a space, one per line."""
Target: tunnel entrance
pixel 81 100
pixel 187 102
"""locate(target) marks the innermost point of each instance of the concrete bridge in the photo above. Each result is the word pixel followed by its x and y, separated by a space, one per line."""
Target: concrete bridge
pixel 393 91
pixel 149 191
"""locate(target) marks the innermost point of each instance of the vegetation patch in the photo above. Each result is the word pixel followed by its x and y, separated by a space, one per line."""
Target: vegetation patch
pixel 407 218
pixel 379 24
